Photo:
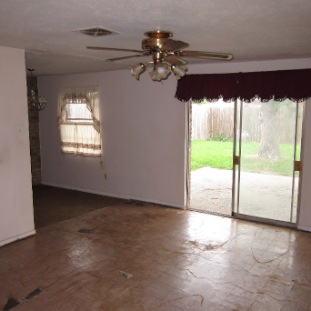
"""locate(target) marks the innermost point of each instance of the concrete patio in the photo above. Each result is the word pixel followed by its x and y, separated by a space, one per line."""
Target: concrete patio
pixel 262 195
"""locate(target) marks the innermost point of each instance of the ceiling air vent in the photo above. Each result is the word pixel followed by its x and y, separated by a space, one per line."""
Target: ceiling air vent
pixel 96 31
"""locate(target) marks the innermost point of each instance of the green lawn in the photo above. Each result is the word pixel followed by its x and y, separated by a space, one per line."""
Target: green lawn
pixel 218 154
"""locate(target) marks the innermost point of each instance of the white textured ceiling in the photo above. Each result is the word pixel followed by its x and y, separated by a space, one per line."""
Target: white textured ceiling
pixel 249 29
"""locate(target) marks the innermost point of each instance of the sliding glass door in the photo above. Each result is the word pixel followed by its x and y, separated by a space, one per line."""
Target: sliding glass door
pixel 267 159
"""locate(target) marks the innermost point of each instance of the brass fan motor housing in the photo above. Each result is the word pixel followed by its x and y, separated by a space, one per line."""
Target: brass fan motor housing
pixel 156 39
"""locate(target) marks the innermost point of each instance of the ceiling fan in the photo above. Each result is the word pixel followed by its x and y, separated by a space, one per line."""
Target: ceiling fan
pixel 167 55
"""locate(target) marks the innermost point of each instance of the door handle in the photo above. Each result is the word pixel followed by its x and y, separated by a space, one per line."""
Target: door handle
pixel 236 160
pixel 297 166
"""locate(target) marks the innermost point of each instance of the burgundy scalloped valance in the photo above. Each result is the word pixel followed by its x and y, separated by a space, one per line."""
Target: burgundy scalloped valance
pixel 292 84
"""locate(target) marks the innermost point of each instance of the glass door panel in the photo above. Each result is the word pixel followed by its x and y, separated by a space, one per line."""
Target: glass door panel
pixel 298 163
pixel 211 134
pixel 236 155
pixel 268 153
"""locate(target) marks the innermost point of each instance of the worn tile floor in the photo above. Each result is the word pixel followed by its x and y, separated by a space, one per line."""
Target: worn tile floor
pixel 130 257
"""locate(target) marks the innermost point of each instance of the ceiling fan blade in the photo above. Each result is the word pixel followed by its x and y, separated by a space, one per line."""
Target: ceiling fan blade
pixel 112 49
pixel 204 55
pixel 174 60
pixel 124 57
pixel 174 45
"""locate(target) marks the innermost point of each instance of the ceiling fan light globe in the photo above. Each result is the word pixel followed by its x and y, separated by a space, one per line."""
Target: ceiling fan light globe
pixel 178 71
pixel 137 70
pixel 163 70
pixel 154 75
pixel 160 72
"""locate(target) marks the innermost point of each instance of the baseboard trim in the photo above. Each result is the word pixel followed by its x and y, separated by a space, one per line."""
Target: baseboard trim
pixel 18 237
pixel 118 196
pixel 304 228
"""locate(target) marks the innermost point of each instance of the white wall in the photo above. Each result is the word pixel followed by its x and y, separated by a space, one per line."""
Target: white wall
pixel 143 139
pixel 252 66
pixel 143 135
pixel 16 206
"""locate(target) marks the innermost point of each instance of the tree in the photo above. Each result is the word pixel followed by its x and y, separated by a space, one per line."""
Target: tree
pixel 269 140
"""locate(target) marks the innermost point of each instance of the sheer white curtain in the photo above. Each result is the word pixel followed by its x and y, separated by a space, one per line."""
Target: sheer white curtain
pixel 81 135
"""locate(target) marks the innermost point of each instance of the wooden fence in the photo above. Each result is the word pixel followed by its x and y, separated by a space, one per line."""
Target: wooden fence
pixel 216 121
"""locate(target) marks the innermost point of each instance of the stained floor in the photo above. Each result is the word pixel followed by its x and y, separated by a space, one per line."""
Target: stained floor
pixel 131 257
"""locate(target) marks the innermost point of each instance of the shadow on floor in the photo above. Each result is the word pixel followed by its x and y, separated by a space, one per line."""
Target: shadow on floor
pixel 52 204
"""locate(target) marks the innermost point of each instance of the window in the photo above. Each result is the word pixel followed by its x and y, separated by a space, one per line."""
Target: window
pixel 79 121
pixel 78 112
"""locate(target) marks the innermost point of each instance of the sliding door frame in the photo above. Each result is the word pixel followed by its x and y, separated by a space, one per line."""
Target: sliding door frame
pixel 238 122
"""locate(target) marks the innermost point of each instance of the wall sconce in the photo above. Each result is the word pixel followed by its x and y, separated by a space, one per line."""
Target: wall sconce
pixel 37 102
